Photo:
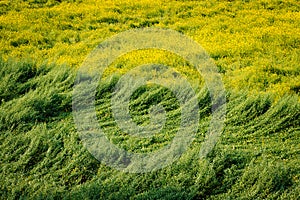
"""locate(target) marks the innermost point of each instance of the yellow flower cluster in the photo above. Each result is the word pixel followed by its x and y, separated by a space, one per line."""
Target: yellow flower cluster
pixel 246 39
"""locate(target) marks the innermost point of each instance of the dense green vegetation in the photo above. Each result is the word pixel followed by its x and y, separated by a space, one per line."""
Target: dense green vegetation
pixel 42 156
pixel 255 45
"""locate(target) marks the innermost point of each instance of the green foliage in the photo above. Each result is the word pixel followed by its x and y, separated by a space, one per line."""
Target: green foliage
pixel 24 96
pixel 42 156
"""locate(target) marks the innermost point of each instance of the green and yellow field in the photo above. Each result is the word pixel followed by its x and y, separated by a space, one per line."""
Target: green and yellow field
pixel 255 46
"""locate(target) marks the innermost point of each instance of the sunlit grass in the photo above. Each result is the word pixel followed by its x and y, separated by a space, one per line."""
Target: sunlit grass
pixel 242 37
pixel 255 45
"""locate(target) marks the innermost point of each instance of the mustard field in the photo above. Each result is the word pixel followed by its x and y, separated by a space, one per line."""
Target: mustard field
pixel 255 46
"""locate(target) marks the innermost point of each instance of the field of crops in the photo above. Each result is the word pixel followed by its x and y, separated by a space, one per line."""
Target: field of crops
pixel 255 46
